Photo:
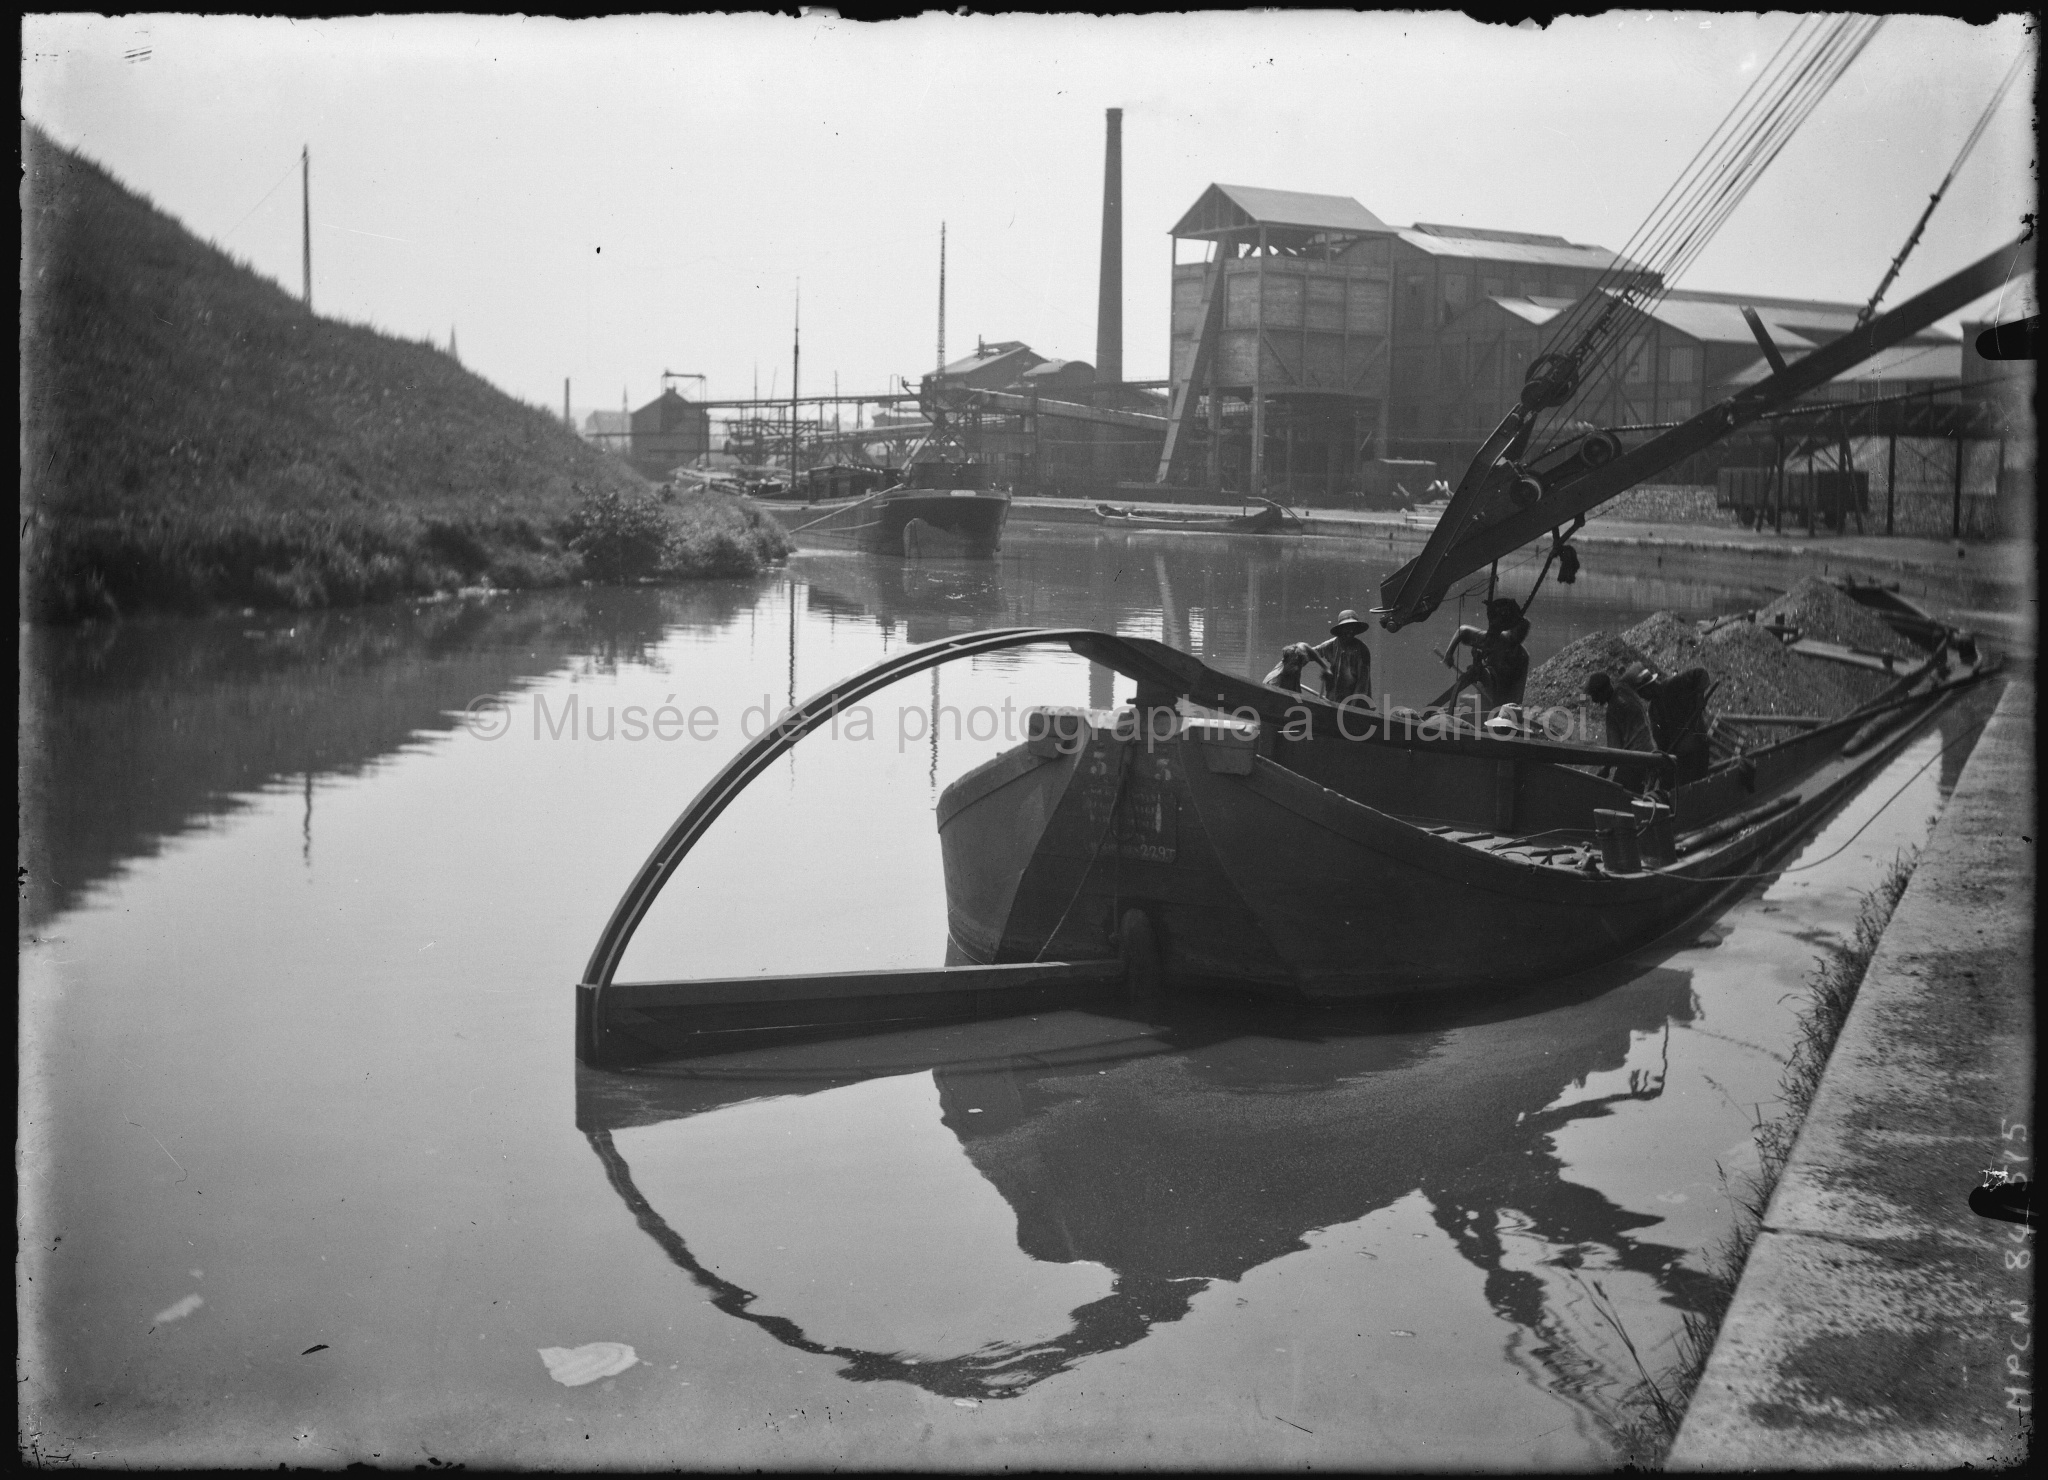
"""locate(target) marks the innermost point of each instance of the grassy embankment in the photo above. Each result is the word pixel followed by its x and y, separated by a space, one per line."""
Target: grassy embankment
pixel 1656 1407
pixel 193 437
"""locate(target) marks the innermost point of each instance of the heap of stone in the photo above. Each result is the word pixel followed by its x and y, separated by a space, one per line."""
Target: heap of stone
pixel 1561 679
pixel 1753 671
pixel 1819 610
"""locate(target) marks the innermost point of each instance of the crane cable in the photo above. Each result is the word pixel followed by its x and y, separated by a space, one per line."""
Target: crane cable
pixel 1892 272
pixel 1672 244
pixel 1806 67
pixel 1785 92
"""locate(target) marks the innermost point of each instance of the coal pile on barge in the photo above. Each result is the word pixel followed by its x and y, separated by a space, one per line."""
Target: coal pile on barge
pixel 1746 657
pixel 1819 609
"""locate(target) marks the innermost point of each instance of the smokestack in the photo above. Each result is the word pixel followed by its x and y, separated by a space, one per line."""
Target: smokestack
pixel 1109 311
pixel 306 223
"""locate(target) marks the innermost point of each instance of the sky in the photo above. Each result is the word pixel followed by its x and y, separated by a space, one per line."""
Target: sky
pixel 605 200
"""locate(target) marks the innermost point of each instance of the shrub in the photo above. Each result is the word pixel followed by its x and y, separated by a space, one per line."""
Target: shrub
pixel 620 536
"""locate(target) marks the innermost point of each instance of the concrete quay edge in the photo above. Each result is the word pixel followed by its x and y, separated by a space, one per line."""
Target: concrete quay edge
pixel 1934 570
pixel 1880 1322
pixel 2004 560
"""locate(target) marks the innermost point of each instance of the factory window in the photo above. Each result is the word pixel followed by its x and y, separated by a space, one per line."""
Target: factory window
pixel 1457 289
pixel 1636 356
pixel 1415 302
pixel 1682 366
pixel 1529 287
pixel 1370 252
pixel 1493 286
pixel 1679 408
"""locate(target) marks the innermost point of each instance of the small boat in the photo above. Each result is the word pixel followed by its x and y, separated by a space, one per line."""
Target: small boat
pixel 939 508
pixel 1262 520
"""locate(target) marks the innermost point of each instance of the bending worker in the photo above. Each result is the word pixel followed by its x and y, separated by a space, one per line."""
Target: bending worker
pixel 1628 723
pixel 1293 658
pixel 1500 664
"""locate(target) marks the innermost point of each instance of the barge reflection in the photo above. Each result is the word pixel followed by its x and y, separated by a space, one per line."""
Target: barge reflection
pixel 1171 1152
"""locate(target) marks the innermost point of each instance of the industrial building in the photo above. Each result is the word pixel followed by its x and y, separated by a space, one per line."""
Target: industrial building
pixel 666 433
pixel 1317 354
pixel 1316 341
pixel 1680 355
pixel 1280 339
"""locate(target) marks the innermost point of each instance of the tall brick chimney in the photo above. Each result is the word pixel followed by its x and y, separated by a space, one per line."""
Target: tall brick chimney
pixel 1109 311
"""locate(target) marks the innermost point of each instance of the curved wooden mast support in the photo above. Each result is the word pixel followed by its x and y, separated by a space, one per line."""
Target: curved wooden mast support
pixel 1152 664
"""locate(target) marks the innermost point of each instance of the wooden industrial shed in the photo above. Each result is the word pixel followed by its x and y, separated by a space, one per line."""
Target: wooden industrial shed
pixel 1279 353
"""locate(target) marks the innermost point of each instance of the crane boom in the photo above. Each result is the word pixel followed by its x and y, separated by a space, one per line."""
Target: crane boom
pixel 1502 506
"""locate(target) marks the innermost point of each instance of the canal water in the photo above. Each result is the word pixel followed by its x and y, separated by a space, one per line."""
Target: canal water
pixel 309 1173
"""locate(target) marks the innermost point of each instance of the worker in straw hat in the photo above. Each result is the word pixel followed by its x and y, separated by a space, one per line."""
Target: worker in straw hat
pixel 1346 661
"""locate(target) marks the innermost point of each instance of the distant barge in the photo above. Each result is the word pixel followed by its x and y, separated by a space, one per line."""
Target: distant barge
pixel 1268 517
pixel 940 509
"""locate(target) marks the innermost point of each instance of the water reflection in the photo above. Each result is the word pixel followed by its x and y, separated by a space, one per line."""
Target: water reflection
pixel 928 599
pixel 139 731
pixel 1173 1152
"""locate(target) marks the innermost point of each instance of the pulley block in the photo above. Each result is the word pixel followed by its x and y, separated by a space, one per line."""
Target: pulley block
pixel 1550 381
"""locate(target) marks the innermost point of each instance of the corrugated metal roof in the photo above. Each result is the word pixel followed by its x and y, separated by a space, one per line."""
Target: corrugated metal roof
pixel 1716 318
pixel 1915 362
pixel 1723 323
pixel 987 355
pixel 1296 208
pixel 1537 311
pixel 1488 249
pixel 1488 234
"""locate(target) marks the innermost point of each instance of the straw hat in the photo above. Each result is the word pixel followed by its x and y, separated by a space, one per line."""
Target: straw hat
pixel 1348 621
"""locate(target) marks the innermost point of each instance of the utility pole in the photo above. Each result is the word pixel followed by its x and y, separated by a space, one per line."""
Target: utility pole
pixel 306 224
pixel 942 311
pixel 796 360
pixel 568 418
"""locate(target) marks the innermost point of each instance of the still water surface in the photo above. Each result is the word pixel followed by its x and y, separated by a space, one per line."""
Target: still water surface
pixel 310 1174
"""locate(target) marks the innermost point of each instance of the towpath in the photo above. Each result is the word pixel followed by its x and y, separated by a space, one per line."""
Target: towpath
pixel 1879 1321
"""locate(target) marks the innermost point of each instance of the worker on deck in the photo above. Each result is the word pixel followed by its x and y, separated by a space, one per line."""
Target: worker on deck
pixel 1293 658
pixel 1500 664
pixel 1678 719
pixel 1628 724
pixel 1346 662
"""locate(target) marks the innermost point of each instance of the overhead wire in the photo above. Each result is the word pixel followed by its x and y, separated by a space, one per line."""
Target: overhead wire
pixel 259 204
pixel 1721 173
pixel 1677 243
pixel 1636 251
pixel 1983 121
